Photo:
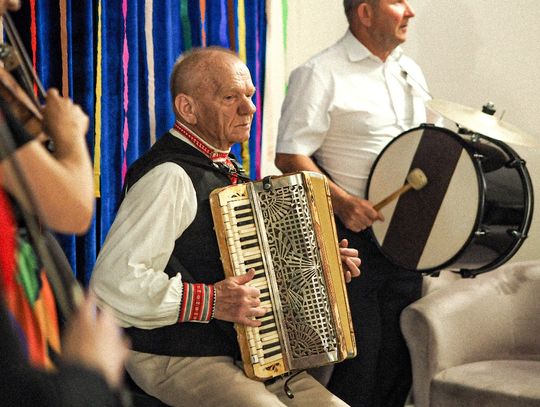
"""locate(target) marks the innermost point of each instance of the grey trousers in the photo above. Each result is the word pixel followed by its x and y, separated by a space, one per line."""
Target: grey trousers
pixel 218 381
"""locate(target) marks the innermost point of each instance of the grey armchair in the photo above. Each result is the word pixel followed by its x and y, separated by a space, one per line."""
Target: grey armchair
pixel 476 342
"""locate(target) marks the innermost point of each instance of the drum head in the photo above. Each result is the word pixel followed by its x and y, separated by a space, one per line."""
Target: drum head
pixel 426 230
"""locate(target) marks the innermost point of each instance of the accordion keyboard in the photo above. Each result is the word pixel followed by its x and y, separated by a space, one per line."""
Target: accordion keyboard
pixel 246 254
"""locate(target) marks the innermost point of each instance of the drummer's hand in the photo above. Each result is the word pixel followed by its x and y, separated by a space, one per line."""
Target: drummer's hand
pixel 238 302
pixel 350 260
pixel 355 213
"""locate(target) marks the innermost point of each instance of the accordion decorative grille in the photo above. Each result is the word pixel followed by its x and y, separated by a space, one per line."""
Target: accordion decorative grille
pixel 298 270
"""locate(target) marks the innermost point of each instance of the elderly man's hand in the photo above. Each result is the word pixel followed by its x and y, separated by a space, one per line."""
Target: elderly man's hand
pixel 350 260
pixel 238 302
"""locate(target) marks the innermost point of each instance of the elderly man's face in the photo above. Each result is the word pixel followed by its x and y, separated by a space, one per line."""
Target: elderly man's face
pixel 390 22
pixel 224 106
pixel 9 5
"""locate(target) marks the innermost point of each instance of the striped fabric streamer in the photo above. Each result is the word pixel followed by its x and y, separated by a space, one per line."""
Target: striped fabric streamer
pixel 258 104
pixel 275 81
pixel 202 6
pixel 148 28
pixel 232 25
pixel 285 17
pixel 33 37
pixel 242 31
pixel 97 113
pixel 33 33
pixel 186 24
pixel 243 56
pixel 125 63
pixel 64 47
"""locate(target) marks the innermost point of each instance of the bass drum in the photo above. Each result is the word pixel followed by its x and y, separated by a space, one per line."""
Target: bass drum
pixel 473 214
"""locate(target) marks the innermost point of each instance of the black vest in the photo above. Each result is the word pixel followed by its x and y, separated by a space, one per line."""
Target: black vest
pixel 195 256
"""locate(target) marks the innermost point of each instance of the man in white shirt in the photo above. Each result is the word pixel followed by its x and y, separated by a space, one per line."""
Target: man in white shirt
pixel 343 106
pixel 160 269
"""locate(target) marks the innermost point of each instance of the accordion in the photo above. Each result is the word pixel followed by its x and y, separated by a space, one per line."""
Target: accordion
pixel 283 227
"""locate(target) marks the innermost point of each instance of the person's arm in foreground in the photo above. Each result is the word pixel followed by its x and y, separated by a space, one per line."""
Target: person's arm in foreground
pixel 61 183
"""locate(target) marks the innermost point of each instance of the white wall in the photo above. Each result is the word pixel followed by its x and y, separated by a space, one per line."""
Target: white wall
pixel 312 26
pixel 475 51
pixel 471 52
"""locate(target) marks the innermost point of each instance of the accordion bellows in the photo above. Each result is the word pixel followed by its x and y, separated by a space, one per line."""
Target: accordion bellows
pixel 283 227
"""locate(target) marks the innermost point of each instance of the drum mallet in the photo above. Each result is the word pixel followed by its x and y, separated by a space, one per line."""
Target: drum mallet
pixel 416 180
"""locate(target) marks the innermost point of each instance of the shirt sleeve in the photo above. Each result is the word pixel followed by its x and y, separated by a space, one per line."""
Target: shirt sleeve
pixel 129 274
pixel 305 114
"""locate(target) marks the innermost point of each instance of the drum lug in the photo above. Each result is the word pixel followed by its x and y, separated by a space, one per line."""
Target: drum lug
pixel 479 156
pixel 516 234
pixel 481 232
pixel 515 163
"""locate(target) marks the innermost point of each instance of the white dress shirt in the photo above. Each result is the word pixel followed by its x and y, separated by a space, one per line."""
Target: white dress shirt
pixel 345 105
pixel 129 273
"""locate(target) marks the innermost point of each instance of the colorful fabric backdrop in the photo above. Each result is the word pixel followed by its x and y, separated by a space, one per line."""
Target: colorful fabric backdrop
pixel 113 57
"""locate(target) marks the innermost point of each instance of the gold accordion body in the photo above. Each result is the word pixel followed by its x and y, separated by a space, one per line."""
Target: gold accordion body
pixel 284 228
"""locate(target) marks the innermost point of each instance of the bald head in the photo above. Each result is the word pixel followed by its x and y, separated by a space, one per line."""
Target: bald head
pixel 198 68
pixel 211 93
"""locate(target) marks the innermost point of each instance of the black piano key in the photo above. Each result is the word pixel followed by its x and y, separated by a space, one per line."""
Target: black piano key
pixel 268 321
pixel 267 330
pixel 274 352
pixel 269 314
pixel 249 245
pixel 245 222
pixel 242 207
pixel 251 261
pixel 243 215
pixel 257 269
pixel 270 345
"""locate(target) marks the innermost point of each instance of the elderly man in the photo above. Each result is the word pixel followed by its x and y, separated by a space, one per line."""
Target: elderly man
pixel 161 255
pixel 343 106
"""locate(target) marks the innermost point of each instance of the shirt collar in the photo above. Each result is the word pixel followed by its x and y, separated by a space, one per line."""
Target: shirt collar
pixel 193 139
pixel 356 51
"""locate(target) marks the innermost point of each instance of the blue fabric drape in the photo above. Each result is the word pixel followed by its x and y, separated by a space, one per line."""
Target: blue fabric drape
pixel 168 45
pixel 172 32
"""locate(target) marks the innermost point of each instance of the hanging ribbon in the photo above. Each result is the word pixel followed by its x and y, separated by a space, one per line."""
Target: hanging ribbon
pixel 186 24
pixel 125 64
pixel 148 29
pixel 202 7
pixel 97 114
pixel 64 47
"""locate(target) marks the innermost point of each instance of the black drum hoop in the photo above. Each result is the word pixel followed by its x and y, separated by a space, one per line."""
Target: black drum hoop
pixel 522 233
